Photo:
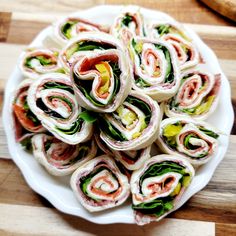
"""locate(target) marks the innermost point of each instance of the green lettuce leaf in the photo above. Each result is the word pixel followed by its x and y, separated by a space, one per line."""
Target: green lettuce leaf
pixel 88 116
pixel 156 207
pixel 144 107
pixel 110 130
pixel 163 29
pixel 209 132
pixel 126 20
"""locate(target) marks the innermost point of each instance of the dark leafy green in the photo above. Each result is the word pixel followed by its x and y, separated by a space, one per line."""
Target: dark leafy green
pixel 88 116
pixel 127 19
pixel 86 86
pixel 66 100
pixel 141 83
pixel 187 144
pixel 30 114
pixel 84 181
pixel 209 132
pixel 52 85
pixel 169 71
pixel 163 29
pixel 73 129
pixel 110 130
pixel 159 206
pixel 66 28
pixel 156 207
pixel 163 168
pixel 27 144
pixel 143 106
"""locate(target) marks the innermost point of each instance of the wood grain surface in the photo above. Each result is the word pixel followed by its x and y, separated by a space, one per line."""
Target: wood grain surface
pixel 212 211
pixel 225 7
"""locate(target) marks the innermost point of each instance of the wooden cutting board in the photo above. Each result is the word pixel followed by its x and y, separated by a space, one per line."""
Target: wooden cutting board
pixel 224 7
pixel 212 210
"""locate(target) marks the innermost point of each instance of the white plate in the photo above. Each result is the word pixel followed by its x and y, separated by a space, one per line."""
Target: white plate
pixel 57 189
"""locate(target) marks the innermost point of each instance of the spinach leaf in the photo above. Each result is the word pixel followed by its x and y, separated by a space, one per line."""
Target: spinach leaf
pixel 163 29
pixel 126 20
pixel 141 83
pixel 73 129
pixel 163 168
pixel 85 180
pixel 187 144
pixel 86 86
pixel 110 130
pixel 27 144
pixel 170 71
pixel 30 114
pixel 88 96
pixel 67 101
pixel 209 132
pixel 47 145
pixel 52 85
pixel 144 107
pixel 67 27
pixel 88 116
pixel 156 207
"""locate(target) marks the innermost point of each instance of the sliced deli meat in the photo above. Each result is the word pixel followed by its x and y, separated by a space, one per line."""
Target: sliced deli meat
pixel 133 126
pixel 25 123
pixel 99 184
pixel 195 140
pixel 70 27
pixel 128 24
pixel 197 96
pixel 101 80
pixel 175 34
pixel 155 67
pixel 60 158
pixel 131 160
pixel 51 98
pixel 157 187
pixel 37 61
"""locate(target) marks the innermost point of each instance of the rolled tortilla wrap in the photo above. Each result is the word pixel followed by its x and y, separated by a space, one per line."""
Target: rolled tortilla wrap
pixel 51 98
pixel 133 126
pixel 99 184
pixel 60 158
pixel 158 186
pixel 194 140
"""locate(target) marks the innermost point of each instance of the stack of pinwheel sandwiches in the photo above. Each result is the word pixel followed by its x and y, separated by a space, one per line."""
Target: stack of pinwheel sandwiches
pixel 95 105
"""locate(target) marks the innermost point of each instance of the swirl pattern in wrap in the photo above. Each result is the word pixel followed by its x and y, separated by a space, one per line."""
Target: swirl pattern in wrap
pixel 156 70
pixel 99 184
pixel 128 24
pixel 51 98
pixel 158 186
pixel 133 126
pixel 69 27
pixel 195 140
pixel 131 160
pixel 197 96
pixel 60 158
pixel 37 61
pixel 24 121
pixel 175 34
pixel 101 78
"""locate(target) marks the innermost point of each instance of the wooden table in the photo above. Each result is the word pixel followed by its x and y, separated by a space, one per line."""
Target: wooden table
pixel 212 211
